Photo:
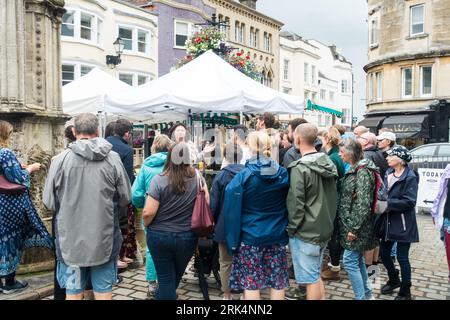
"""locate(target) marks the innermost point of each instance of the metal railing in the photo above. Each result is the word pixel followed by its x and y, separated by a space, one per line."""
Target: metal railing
pixel 429 162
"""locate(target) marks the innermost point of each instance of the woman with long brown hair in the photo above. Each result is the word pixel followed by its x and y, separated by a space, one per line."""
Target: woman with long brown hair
pixel 20 225
pixel 167 216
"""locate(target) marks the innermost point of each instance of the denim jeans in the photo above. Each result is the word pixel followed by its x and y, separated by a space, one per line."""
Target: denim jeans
pixel 402 258
pixel 394 250
pixel 355 266
pixel 171 252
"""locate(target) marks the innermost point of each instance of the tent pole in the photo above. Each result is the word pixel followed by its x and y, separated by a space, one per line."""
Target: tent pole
pixel 241 117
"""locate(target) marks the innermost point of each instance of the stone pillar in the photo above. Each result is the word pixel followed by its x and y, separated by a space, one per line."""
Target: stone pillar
pixel 30 94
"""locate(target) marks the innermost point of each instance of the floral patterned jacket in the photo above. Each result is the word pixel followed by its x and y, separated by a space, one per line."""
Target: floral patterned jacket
pixel 355 206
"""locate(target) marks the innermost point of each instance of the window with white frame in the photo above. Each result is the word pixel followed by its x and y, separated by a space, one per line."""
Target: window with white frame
pixel 82 26
pixel 323 94
pixel 239 32
pixel 331 96
pixel 68 73
pixel 142 79
pixel 136 40
pixel 126 34
pixel 345 88
pixel 313 76
pixel 417 20
pixel 68 24
pixel 379 86
pixel 313 97
pixel 224 23
pixel 254 35
pixel 407 82
pixel 127 78
pixel 374 32
pixel 73 70
pixel 267 42
pixel 143 41
pixel 181 33
pixel 134 78
pixel 306 72
pixel 286 69
pixel 370 88
pixel 86 23
pixel 426 74
pixel 84 70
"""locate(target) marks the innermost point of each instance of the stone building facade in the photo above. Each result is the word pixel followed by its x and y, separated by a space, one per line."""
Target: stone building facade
pixel 317 72
pixel 30 89
pixel 252 33
pixel 178 20
pixel 408 70
pixel 91 26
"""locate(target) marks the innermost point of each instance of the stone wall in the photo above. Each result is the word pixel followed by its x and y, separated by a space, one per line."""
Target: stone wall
pixel 30 95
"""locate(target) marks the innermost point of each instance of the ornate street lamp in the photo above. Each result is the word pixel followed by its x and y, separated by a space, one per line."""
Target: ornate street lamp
pixel 113 61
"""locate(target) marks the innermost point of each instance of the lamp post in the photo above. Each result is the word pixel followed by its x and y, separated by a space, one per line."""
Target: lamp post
pixel 113 61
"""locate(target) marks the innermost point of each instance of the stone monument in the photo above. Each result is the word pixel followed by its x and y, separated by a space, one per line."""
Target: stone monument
pixel 30 94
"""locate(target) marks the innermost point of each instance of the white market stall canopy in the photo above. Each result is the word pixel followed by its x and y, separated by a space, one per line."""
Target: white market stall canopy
pixel 87 94
pixel 206 84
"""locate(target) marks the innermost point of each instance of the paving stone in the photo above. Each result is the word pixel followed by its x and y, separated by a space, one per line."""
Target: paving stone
pixel 123 291
pixel 139 295
pixel 119 297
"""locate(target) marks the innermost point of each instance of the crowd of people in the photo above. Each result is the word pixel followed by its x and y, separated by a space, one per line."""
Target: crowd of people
pixel 292 204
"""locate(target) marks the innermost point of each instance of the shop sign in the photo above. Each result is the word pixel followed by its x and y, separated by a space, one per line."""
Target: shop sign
pixel 428 188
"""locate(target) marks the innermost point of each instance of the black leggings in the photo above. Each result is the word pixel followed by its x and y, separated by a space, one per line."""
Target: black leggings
pixel 334 246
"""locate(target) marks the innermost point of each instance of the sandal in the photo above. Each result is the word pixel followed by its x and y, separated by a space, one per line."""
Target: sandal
pixel 127 260
pixel 122 265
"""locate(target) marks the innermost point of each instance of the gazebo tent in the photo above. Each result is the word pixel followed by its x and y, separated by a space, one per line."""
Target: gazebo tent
pixel 207 84
pixel 87 94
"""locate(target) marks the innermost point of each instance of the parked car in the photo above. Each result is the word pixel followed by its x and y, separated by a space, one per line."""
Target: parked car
pixel 429 157
pixel 434 155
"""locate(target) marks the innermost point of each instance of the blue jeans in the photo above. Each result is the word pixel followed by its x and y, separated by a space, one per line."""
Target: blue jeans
pixel 75 279
pixel 394 250
pixel 402 258
pixel 171 252
pixel 355 266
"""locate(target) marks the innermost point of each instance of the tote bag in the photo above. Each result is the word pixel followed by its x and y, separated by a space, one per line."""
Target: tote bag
pixel 202 223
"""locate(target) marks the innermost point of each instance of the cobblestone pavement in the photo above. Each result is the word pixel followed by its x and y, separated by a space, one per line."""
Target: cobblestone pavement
pixel 429 276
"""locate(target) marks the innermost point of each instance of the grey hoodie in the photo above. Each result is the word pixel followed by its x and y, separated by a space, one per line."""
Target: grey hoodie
pixel 83 185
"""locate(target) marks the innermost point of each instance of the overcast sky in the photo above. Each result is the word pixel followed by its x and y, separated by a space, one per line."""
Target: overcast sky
pixel 339 22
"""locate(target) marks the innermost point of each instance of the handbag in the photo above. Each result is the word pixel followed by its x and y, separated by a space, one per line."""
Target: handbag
pixel 10 188
pixel 202 223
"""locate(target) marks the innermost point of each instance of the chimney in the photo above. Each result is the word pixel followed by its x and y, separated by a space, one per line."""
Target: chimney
pixel 249 3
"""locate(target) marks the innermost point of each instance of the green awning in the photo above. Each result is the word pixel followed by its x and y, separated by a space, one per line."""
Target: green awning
pixel 312 107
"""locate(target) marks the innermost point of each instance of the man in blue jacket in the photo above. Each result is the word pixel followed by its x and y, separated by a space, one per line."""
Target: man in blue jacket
pixel 122 133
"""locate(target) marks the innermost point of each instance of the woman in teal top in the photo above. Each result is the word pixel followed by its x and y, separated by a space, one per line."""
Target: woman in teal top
pixel 152 166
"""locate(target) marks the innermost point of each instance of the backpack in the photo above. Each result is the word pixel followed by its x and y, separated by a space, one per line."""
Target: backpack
pixel 380 194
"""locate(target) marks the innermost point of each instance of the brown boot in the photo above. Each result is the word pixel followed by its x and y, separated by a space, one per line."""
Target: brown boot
pixel 329 274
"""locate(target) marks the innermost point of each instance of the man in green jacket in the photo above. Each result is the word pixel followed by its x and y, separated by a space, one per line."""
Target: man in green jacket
pixel 311 203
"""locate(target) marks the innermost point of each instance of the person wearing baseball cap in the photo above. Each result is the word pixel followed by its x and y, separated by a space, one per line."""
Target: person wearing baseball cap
pixel 386 141
pixel 402 183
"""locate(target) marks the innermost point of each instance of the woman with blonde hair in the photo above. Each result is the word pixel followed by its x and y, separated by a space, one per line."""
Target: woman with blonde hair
pixel 331 140
pixel 20 225
pixel 256 217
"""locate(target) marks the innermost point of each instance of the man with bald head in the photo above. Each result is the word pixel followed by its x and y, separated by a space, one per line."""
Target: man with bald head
pixel 368 142
pixel 359 130
pixel 311 204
